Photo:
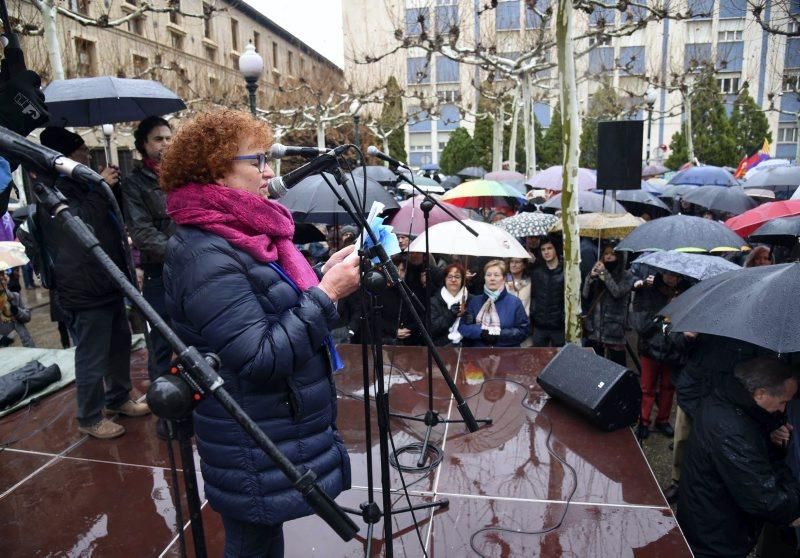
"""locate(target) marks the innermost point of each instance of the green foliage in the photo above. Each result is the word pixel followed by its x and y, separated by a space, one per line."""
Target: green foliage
pixel 552 150
pixel 391 115
pixel 458 153
pixel 679 151
pixel 750 126
pixel 712 133
pixel 603 105
pixel 482 137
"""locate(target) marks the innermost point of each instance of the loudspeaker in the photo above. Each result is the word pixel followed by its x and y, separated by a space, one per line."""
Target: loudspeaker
pixel 619 155
pixel 603 391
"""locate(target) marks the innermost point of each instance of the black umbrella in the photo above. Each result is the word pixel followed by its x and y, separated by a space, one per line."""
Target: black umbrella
pixel 638 202
pixel 775 178
pixel 451 182
pixel 472 172
pixel 784 230
pixel 377 173
pixel 683 233
pixel 588 202
pixel 717 198
pixel 758 305
pixel 305 233
pixel 677 191
pixel 106 100
pixel 311 200
pixel 696 266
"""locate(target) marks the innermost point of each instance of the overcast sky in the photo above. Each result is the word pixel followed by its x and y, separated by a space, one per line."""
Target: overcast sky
pixel 318 23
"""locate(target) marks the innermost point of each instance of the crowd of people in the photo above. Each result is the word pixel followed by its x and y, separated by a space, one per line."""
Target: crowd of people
pixel 215 257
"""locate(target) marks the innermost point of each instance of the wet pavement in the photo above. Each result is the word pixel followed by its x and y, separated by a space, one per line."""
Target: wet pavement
pixel 62 493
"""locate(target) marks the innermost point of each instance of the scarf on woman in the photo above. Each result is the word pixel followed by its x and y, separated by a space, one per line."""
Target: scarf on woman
pixel 449 300
pixel 488 316
pixel 260 227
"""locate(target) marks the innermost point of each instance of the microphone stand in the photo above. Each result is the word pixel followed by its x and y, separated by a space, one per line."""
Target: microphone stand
pixel 432 417
pixel 196 373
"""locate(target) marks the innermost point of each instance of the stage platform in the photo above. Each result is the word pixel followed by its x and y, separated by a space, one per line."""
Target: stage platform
pixel 63 494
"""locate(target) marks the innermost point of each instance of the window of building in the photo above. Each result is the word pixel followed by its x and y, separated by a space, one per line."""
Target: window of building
pixel 787 134
pixel 793 27
pixel 792 58
pixel 174 16
pixel 417 19
pixel 290 62
pixel 602 17
pixel 176 40
pixel 601 60
pixel 234 34
pixel 507 15
pixel 533 9
pixel 136 25
pixel 140 65
pixel 213 84
pixel 729 35
pixel 730 56
pixel 257 41
pixel 208 25
pixel 79 6
pixel 444 97
pixel 417 70
pixel 701 9
pixel 695 55
pixel 728 85
pixel 631 60
pixel 211 53
pixel 791 82
pixel 302 66
pixel 275 55
pixel 600 40
pixel 732 8
pixel 446 70
pixel 86 58
pixel 446 17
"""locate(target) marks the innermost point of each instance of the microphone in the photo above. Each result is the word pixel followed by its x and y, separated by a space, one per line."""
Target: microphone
pixel 278 151
pixel 372 150
pixel 44 158
pixel 278 186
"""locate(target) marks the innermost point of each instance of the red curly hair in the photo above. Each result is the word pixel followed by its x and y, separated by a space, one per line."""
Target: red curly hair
pixel 204 147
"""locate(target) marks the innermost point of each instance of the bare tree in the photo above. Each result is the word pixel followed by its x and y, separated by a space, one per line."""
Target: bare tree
pixel 778 17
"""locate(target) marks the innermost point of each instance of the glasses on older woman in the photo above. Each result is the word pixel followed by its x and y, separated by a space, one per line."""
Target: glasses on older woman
pixel 262 160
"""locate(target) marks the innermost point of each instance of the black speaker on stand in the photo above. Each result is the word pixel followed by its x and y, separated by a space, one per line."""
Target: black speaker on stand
pixel 604 392
pixel 619 154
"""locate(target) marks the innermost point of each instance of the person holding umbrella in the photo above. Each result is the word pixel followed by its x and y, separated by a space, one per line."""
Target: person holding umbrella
pixel 237 286
pixel 608 286
pixel 495 318
pixel 93 305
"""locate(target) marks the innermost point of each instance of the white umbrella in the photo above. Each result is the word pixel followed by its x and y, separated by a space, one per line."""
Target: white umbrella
pixel 451 238
pixel 12 254
pixel 430 189
pixel 764 165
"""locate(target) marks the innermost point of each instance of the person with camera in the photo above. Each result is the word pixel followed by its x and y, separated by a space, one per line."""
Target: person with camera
pixel 495 318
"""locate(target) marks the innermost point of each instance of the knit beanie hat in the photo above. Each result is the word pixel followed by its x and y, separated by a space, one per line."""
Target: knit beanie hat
pixel 60 139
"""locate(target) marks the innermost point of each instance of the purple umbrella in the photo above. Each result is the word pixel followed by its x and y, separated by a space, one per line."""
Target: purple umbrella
pixel 550 179
pixel 588 202
pixel 512 178
pixel 704 176
pixel 411 221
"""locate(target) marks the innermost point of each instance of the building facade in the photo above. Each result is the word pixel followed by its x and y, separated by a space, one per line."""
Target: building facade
pixel 723 33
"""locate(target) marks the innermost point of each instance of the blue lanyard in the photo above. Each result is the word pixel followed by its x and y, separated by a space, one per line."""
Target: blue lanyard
pixel 336 360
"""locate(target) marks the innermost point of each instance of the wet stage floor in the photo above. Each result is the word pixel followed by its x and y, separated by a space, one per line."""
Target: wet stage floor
pixel 63 494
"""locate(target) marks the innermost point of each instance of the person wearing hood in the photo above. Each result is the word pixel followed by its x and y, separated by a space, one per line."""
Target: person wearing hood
pixel 495 318
pixel 608 288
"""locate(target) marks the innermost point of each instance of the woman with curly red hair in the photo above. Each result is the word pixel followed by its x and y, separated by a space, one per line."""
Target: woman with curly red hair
pixel 237 286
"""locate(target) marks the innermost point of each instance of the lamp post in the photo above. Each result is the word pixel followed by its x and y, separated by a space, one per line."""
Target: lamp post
pixel 649 98
pixel 108 130
pixel 251 65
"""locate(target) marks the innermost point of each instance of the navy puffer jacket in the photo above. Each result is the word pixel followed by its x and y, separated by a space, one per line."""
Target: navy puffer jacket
pixel 276 366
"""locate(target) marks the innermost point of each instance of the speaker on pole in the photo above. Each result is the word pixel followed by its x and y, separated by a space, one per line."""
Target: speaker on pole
pixel 619 154
pixel 604 392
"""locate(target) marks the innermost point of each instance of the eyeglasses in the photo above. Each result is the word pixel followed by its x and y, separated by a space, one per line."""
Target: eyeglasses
pixel 262 158
pixel 456 277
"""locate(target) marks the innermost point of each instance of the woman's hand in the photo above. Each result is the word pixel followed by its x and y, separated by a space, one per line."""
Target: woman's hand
pixel 403 333
pixel 338 257
pixel 341 279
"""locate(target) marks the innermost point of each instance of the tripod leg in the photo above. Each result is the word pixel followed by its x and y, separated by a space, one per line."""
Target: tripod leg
pixel 176 491
pixel 192 492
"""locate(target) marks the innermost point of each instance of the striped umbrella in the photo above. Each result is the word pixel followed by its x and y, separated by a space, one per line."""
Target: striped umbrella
pixel 476 194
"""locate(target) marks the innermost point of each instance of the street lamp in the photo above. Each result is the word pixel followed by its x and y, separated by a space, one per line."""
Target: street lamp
pixel 108 130
pixel 650 97
pixel 251 65
pixel 355 106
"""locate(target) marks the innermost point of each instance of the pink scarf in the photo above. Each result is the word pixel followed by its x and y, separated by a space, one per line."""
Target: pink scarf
pixel 262 228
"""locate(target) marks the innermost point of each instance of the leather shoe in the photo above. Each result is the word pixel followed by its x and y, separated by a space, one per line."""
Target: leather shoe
pixel 642 431
pixel 130 409
pixel 103 429
pixel 671 493
pixel 666 429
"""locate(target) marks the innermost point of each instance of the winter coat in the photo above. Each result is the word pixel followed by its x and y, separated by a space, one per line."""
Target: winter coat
pixel 606 321
pixel 514 323
pixel 81 281
pixel 733 478
pixel 656 341
pixel 547 298
pixel 146 215
pixel 522 290
pixel 270 340
pixel 442 319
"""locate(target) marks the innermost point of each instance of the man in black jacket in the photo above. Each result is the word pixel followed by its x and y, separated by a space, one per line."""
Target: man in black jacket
pixel 150 228
pixel 547 298
pixel 734 478
pixel 92 302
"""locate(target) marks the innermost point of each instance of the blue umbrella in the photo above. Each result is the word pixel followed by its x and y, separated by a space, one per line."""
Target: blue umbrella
pixel 430 167
pixel 704 176
pixel 106 100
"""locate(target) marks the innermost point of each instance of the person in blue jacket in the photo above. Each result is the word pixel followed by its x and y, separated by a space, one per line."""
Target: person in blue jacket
pixel 236 285
pixel 494 318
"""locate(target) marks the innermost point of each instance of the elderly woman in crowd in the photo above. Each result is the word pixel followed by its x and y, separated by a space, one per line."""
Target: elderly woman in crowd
pixel 236 286
pixel 449 306
pixel 495 318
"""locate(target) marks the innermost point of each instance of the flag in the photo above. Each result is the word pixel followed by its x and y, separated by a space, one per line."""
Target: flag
pixel 753 160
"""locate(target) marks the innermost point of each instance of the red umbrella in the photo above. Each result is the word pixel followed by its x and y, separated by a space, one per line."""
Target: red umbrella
pixel 411 218
pixel 749 221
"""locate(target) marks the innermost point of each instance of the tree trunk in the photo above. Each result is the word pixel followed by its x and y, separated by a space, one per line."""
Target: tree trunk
pixel 512 142
pixel 320 134
pixel 497 137
pixel 569 195
pixel 527 123
pixel 687 110
pixel 50 31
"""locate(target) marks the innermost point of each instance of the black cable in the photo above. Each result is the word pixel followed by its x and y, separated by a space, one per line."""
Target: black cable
pixel 34 401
